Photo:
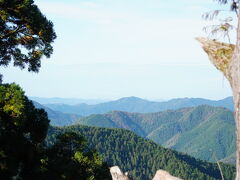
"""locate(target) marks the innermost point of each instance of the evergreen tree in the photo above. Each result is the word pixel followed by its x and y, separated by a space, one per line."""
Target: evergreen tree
pixel 25 34
pixel 23 153
pixel 70 158
pixel 22 131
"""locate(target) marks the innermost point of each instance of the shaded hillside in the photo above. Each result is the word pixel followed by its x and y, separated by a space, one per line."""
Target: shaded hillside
pixel 58 118
pixel 141 157
pixel 134 104
pixel 203 131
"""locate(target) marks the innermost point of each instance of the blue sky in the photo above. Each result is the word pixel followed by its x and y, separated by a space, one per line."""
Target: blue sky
pixel 107 49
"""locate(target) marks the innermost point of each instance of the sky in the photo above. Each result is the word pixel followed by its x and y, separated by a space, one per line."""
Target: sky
pixel 108 49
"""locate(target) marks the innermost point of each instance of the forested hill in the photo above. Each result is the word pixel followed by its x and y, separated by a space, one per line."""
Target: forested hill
pixel 204 132
pixel 141 157
pixel 134 104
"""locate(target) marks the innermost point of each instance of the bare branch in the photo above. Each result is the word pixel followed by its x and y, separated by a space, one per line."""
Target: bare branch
pixel 222 29
pixel 211 14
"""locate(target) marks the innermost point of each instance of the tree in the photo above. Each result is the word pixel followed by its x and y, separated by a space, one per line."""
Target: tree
pixel 25 34
pixel 70 157
pixel 22 131
pixel 226 58
pixel 25 37
pixel 23 154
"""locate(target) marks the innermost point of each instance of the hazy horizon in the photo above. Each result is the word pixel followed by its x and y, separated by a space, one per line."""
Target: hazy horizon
pixel 112 49
pixel 113 99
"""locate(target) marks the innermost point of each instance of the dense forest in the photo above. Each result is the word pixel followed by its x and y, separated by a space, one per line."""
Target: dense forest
pixel 184 130
pixel 23 153
pixel 141 157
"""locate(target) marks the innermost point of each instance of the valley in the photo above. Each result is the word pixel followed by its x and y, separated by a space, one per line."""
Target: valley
pixel 186 129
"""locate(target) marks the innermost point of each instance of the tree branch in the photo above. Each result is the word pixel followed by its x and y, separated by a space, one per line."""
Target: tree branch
pixel 17 30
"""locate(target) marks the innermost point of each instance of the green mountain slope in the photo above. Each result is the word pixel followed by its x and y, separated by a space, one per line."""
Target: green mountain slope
pixel 204 132
pixel 134 104
pixel 99 120
pixel 142 157
pixel 214 137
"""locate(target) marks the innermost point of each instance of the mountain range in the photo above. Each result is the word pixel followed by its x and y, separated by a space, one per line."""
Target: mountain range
pixel 134 104
pixel 204 131
pixel 69 101
pixel 184 129
pixel 142 157
pixel 58 118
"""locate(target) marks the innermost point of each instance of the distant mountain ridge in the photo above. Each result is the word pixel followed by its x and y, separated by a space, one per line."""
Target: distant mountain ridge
pixel 69 101
pixel 134 104
pixel 203 131
pixel 165 127
pixel 58 118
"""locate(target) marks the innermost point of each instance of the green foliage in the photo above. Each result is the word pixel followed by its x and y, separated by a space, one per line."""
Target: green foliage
pixel 203 131
pixel 141 157
pixel 70 158
pixel 22 130
pixel 214 138
pixel 25 34
pixel 12 100
pixel 23 154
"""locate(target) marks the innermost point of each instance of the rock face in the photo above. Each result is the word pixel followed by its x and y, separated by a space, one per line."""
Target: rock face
pixel 164 175
pixel 117 174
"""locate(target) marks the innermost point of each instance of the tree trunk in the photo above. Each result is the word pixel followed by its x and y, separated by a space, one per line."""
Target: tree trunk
pixel 234 71
pixel 226 58
pixel 237 119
